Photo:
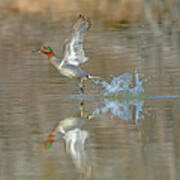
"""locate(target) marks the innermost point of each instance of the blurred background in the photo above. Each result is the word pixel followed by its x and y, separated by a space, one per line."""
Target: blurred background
pixel 127 36
pixel 116 10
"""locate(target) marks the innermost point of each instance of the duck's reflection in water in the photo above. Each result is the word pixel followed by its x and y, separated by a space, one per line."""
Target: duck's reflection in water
pixel 75 146
pixel 74 138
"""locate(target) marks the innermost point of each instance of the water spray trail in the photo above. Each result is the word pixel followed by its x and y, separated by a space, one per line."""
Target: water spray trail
pixel 164 96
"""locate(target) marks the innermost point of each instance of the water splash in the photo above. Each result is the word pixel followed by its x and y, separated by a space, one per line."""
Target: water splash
pixel 124 83
pixel 125 110
pixel 123 97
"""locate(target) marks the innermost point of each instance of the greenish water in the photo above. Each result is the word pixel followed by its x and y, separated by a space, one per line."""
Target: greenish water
pixel 131 136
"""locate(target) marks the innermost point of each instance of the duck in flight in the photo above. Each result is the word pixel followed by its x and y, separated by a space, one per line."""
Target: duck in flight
pixel 73 53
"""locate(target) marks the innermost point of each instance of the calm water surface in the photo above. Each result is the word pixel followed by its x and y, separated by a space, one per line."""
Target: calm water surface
pixel 134 141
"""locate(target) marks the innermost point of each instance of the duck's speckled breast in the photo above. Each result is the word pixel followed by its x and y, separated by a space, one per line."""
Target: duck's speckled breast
pixel 55 63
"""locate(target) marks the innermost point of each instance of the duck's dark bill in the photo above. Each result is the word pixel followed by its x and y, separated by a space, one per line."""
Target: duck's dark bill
pixel 37 51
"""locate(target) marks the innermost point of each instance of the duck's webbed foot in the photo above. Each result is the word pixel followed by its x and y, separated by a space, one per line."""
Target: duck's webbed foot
pixel 82 108
pixel 82 90
pixel 81 85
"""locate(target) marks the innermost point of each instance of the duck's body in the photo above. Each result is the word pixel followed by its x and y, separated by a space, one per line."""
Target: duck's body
pixel 69 124
pixel 73 53
pixel 73 72
pixel 68 70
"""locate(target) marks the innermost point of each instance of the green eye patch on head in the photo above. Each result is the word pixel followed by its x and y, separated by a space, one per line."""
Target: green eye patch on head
pixel 47 48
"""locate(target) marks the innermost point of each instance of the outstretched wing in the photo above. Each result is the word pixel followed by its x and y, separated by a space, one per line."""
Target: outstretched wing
pixel 73 46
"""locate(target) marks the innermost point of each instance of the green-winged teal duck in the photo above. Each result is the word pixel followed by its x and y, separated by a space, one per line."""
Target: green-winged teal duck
pixel 73 53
